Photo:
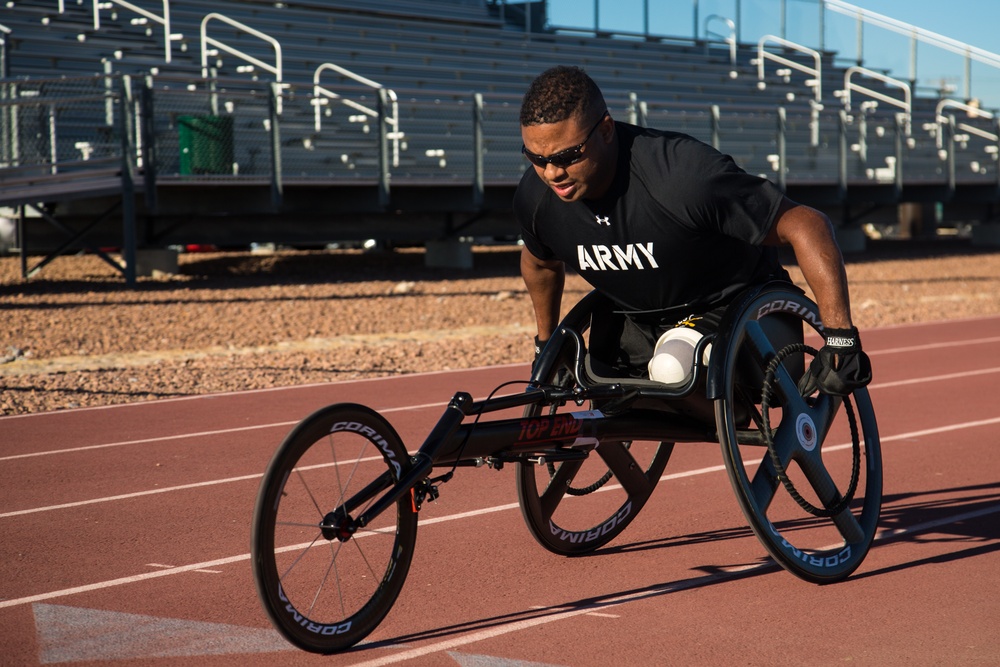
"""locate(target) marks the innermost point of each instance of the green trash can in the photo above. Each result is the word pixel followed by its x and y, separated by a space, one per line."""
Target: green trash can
pixel 206 144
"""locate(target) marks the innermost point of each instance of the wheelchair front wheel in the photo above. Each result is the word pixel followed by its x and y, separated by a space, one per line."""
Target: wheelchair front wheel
pixel 324 586
pixel 821 536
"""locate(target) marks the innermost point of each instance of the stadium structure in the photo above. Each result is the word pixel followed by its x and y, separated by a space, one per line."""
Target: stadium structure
pixel 154 124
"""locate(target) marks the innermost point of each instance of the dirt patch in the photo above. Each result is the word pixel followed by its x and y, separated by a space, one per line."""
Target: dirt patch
pixel 75 336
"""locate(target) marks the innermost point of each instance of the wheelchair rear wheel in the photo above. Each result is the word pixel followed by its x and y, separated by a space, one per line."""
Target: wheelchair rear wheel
pixel 822 529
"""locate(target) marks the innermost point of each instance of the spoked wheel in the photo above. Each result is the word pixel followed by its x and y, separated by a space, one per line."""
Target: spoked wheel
pixel 324 587
pixel 574 507
pixel 807 472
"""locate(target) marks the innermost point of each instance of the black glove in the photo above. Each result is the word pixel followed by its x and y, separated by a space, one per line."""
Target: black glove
pixel 840 367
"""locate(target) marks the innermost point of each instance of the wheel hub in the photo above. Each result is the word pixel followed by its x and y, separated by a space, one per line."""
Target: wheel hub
pixel 337 525
pixel 805 429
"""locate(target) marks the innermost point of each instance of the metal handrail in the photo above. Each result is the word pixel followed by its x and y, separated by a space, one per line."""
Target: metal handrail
pixel 275 69
pixel 162 20
pixel 4 30
pixel 321 95
pixel 976 112
pixel 937 40
pixel 730 39
pixel 906 104
pixel 816 83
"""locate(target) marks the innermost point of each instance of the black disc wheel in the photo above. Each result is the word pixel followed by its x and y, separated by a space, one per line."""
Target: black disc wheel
pixel 807 471
pixel 574 507
pixel 324 583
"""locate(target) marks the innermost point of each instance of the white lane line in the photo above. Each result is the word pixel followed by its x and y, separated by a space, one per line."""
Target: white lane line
pixel 936 323
pixel 934 378
pixel 937 345
pixel 123 580
pixel 199 434
pixel 286 424
pixel 243 478
pixel 128 496
pixel 651 592
pixel 501 508
pixel 145 441
pixel 159 401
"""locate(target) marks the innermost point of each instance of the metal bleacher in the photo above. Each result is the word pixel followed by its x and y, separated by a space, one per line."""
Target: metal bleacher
pixel 313 121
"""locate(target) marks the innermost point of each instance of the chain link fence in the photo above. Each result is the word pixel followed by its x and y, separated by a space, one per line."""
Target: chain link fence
pixel 54 127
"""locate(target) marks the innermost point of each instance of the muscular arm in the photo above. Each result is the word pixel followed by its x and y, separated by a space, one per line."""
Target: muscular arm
pixel 544 280
pixel 810 233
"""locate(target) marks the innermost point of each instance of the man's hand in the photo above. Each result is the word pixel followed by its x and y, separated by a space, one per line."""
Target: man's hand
pixel 840 367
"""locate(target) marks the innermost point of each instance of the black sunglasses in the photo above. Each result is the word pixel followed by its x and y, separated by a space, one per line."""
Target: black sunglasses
pixel 563 158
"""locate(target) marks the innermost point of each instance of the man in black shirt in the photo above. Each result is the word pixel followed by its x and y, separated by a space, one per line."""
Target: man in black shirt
pixel 667 228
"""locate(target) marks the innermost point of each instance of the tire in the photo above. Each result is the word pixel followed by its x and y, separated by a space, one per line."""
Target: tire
pixel 575 507
pixel 811 531
pixel 322 591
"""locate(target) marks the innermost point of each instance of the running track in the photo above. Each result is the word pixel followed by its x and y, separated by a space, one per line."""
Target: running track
pixel 126 532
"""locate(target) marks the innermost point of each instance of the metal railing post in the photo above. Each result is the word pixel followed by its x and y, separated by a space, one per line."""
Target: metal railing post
pixel 14 146
pixel 22 240
pixel 716 127
pixel 782 149
pixel 842 157
pixel 53 138
pixel 900 129
pixel 273 112
pixel 147 113
pixel 968 74
pixel 4 62
pixel 383 149
pixel 478 187
pixel 863 137
pixel 996 144
pixel 739 21
pixel 128 178
pixel 822 25
pixel 694 32
pixel 861 39
pixel 5 156
pixel 951 156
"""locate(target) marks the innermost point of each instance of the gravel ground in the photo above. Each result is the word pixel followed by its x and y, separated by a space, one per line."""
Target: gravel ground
pixel 75 336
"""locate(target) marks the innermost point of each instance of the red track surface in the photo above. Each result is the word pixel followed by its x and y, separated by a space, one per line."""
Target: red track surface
pixel 126 537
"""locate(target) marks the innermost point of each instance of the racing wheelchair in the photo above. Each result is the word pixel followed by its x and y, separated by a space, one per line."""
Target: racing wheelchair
pixel 335 520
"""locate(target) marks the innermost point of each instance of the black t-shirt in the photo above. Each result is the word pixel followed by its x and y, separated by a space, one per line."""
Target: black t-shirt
pixel 679 229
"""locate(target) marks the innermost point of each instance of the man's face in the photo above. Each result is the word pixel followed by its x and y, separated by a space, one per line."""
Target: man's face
pixel 591 175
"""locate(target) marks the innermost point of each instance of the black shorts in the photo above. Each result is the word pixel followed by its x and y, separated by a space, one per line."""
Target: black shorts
pixel 622 344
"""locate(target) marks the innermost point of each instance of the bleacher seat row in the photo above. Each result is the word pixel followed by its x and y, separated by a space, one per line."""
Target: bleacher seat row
pixel 206 113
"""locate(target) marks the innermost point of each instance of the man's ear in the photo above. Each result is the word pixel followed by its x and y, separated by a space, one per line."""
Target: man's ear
pixel 607 129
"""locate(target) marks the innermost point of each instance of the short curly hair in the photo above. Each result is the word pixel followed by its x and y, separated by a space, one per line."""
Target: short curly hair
pixel 559 93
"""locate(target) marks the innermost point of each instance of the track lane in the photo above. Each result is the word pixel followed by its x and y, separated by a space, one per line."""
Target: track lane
pixel 676 559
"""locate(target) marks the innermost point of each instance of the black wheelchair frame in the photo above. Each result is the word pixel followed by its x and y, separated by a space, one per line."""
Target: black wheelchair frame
pixel 358 534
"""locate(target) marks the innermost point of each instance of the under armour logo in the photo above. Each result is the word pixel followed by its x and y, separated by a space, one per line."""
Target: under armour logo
pixel 605 220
